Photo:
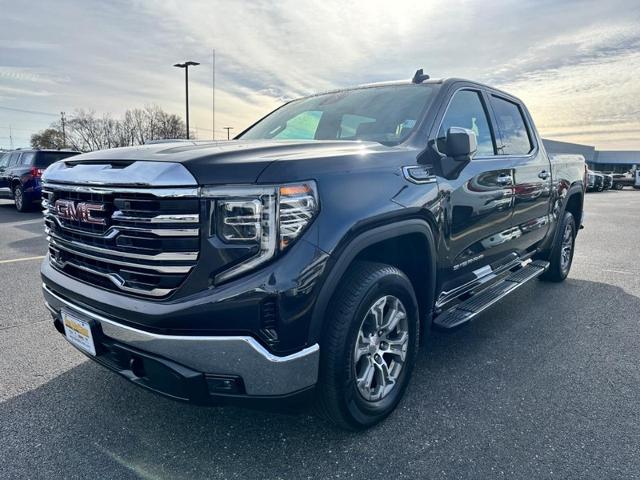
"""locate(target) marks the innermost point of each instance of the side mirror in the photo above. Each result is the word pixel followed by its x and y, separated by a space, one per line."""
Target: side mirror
pixel 461 144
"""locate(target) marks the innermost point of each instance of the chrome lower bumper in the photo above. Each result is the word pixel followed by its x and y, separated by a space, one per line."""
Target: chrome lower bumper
pixel 263 373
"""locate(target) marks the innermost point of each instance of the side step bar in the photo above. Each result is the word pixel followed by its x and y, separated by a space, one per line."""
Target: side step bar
pixel 467 310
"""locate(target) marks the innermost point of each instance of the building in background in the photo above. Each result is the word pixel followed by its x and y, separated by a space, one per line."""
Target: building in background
pixel 614 161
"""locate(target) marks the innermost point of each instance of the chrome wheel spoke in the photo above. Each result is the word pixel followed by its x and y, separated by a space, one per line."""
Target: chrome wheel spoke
pixel 398 346
pixel 377 310
pixel 365 379
pixel 393 317
pixel 363 344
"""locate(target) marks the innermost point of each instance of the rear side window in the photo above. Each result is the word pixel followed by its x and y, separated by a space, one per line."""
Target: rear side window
pixel 26 159
pixel 466 110
pixel 4 160
pixel 513 128
pixel 44 159
pixel 13 159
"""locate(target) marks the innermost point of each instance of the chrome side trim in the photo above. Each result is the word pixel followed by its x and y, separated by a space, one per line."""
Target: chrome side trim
pixel 164 256
pixel 263 372
pixel 155 268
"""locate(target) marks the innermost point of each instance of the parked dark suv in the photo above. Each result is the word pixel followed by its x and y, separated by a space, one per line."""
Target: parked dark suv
pixel 21 171
pixel 305 258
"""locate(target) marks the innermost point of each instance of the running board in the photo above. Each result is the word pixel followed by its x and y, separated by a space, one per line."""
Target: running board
pixel 467 310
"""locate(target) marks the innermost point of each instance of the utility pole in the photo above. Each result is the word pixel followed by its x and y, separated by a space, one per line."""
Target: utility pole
pixel 186 66
pixel 213 95
pixel 64 132
pixel 228 129
pixel 10 138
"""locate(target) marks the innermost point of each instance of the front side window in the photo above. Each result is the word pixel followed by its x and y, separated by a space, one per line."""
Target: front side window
pixel 385 114
pixel 466 110
pixel 513 129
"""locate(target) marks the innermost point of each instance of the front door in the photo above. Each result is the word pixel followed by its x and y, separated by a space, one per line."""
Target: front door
pixel 478 203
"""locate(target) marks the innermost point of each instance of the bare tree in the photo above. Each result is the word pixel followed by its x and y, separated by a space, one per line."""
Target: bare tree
pixel 85 131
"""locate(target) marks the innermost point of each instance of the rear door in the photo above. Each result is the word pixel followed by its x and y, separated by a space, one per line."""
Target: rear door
pixel 532 172
pixel 478 203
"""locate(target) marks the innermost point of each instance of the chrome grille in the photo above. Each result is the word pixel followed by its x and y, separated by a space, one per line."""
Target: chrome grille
pixel 147 246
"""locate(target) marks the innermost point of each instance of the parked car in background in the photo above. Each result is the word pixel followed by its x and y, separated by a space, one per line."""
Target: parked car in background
pixel 621 180
pixel 595 181
pixel 21 172
pixel 608 181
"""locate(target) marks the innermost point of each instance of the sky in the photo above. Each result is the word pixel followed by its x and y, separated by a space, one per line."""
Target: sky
pixel 576 64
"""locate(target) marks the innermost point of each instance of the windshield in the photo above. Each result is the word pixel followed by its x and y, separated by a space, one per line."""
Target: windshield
pixel 385 114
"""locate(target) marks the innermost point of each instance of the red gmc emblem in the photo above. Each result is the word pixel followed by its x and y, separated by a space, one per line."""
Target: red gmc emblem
pixel 80 212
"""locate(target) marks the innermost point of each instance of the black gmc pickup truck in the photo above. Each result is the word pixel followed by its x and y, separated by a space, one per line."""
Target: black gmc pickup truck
pixel 304 259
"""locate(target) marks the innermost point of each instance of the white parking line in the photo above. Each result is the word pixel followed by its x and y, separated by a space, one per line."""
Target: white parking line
pixel 24 259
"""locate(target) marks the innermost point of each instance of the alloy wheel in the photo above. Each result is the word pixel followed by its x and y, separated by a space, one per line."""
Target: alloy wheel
pixel 566 248
pixel 381 348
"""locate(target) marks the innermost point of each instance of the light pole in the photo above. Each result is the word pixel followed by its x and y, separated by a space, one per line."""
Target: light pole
pixel 228 129
pixel 186 66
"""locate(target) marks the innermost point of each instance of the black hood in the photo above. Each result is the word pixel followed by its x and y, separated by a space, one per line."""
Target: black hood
pixel 238 161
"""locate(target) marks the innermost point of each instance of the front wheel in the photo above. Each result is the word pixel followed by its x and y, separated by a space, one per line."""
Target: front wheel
pixel 561 256
pixel 369 346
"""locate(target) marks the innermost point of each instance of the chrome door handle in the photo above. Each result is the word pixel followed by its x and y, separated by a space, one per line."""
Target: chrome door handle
pixel 505 179
pixel 544 175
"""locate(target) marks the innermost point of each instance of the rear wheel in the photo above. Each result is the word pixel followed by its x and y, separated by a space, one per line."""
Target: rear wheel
pixel 561 256
pixel 369 347
pixel 22 205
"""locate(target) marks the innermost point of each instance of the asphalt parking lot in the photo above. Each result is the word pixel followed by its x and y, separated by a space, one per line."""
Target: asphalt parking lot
pixel 544 385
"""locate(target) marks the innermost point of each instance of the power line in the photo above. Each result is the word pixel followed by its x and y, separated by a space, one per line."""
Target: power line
pixel 34 112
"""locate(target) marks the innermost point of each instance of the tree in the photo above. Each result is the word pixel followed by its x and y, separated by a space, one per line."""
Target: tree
pixel 47 138
pixel 85 131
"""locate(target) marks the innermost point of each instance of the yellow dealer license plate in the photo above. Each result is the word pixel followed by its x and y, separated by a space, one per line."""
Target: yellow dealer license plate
pixel 78 332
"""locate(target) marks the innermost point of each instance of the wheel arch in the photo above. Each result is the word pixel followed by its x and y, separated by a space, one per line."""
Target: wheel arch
pixel 386 244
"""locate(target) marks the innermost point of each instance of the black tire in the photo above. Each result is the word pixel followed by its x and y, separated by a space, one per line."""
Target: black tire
pixel 340 399
pixel 619 186
pixel 20 200
pixel 559 264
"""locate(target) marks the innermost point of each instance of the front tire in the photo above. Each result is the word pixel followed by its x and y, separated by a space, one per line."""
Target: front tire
pixel 369 346
pixel 561 256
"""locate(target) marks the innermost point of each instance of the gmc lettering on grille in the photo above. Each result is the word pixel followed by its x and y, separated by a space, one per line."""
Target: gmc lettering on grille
pixel 80 212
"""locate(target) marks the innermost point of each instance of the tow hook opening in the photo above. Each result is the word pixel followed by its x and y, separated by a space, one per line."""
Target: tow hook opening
pixel 136 365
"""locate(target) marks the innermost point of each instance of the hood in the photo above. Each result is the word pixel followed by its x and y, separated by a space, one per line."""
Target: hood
pixel 237 161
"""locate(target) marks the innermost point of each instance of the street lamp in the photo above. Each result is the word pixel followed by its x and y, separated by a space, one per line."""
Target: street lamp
pixel 186 66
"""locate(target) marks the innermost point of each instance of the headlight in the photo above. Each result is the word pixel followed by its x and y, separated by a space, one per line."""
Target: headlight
pixel 269 218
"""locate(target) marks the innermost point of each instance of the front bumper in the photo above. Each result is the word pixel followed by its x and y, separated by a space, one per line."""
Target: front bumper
pixel 195 368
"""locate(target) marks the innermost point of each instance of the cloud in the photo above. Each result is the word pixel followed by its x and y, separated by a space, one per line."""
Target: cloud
pixel 575 63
